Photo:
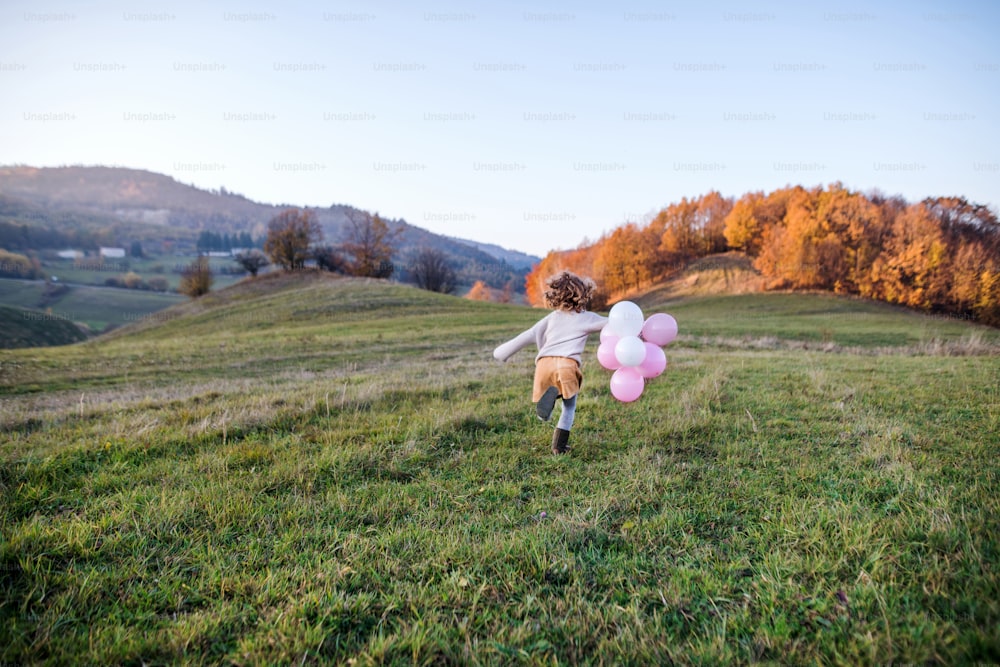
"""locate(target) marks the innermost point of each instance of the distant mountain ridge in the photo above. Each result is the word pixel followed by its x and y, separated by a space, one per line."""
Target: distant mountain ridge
pixel 513 257
pixel 150 200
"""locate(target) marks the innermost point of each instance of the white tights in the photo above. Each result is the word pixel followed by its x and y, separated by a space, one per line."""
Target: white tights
pixel 568 413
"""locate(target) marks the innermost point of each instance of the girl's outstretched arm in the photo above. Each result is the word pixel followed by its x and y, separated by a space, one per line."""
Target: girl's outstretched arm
pixel 507 350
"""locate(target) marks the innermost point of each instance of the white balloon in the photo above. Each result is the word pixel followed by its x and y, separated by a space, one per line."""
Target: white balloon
pixel 630 351
pixel 625 319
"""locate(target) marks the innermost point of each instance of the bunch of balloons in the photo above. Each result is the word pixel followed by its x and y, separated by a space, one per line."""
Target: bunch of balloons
pixel 633 348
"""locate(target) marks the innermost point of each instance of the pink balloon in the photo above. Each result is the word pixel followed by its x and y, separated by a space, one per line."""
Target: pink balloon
pixel 660 329
pixel 607 334
pixel 606 355
pixel 627 384
pixel 654 363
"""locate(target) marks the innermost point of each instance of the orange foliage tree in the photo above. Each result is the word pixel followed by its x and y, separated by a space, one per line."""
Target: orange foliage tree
pixel 479 292
pixel 693 228
pixel 940 254
pixel 580 261
pixel 710 219
pixel 915 255
pixel 625 259
pixel 290 237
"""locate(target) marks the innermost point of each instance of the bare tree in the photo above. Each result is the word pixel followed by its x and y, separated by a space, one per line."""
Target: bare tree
pixel 371 243
pixel 431 271
pixel 508 292
pixel 290 236
pixel 329 259
pixel 252 260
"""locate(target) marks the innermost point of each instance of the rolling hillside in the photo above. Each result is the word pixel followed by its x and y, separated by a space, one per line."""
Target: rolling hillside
pixel 729 312
pixel 22 327
pixel 725 273
pixel 314 470
pixel 721 299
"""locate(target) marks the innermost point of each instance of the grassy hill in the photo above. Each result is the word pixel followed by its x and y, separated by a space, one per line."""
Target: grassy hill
pixel 721 299
pixel 313 470
pixel 724 273
pixel 820 321
pixel 20 327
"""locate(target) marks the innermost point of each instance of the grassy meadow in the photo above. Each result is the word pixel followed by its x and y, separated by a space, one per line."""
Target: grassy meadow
pixel 313 470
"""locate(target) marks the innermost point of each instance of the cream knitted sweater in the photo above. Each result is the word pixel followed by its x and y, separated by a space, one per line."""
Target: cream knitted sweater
pixel 561 333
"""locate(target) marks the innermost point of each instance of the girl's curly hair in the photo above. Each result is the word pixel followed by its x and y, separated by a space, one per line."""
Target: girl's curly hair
pixel 568 291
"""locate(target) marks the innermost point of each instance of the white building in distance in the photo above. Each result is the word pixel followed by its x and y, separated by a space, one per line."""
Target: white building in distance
pixel 113 253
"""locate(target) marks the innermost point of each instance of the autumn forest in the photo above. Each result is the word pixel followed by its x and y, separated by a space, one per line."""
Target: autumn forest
pixel 939 255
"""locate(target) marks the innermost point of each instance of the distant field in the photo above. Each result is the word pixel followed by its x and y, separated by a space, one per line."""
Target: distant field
pixel 311 470
pixel 97 271
pixel 97 307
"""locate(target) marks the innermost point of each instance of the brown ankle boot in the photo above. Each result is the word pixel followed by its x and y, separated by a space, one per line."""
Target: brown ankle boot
pixel 560 441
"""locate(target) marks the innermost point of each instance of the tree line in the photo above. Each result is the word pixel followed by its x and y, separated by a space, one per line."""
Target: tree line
pixel 209 241
pixel 939 255
pixel 16 265
pixel 295 238
pixel 21 236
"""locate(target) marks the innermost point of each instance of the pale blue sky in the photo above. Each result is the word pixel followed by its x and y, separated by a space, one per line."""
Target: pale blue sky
pixel 530 125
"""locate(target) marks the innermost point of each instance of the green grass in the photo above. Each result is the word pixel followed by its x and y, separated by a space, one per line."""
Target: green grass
pixel 313 471
pixel 97 307
pixel 816 319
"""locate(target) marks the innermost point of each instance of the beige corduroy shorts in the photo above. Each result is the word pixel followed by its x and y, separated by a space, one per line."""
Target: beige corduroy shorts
pixel 562 373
